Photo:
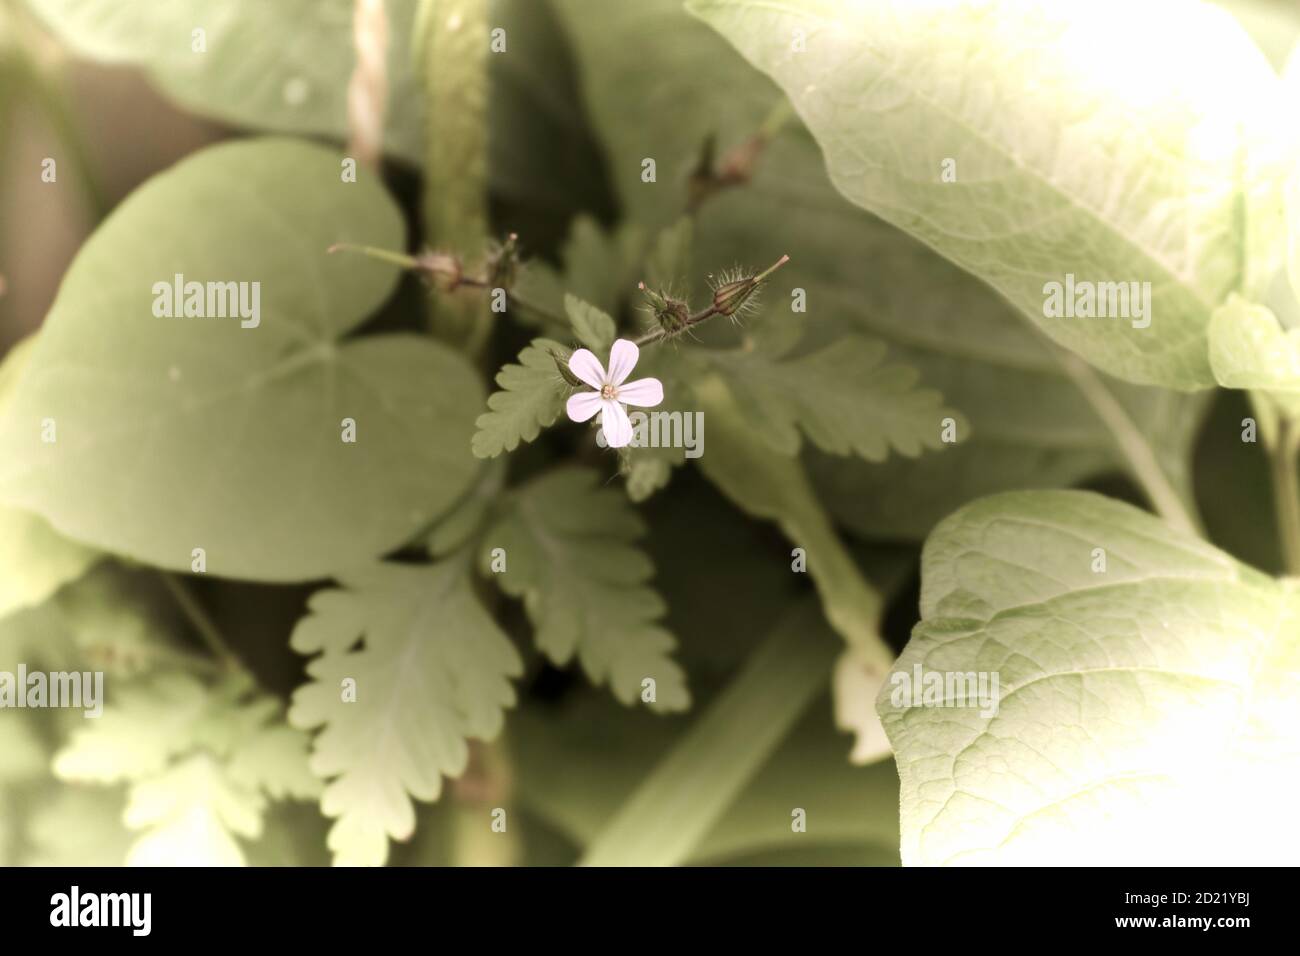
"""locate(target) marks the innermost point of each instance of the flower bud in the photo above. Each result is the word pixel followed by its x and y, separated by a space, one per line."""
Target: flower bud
pixel 730 295
pixel 670 313
pixel 562 363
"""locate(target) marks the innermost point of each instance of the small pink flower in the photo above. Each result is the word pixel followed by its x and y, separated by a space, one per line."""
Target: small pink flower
pixel 611 391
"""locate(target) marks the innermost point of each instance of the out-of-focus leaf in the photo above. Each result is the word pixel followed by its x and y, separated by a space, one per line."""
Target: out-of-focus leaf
pixel 1029 425
pixel 280 66
pixel 1146 683
pixel 1154 130
pixel 1250 349
pixel 182 433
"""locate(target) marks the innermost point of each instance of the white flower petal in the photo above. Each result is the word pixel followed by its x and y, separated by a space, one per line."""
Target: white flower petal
pixel 622 359
pixel 616 425
pixel 587 367
pixel 583 406
pixel 643 393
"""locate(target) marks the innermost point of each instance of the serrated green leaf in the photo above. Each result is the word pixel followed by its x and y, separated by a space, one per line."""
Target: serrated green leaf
pixel 531 398
pixel 571 556
pixel 844 397
pixel 1157 131
pixel 434 669
pixel 249 75
pixel 252 416
pixel 201 763
pixel 190 815
pixel 597 263
pixel 594 328
pixel 147 725
pixel 1137 698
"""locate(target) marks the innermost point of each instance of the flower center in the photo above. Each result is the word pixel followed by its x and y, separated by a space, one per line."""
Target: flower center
pixel 608 392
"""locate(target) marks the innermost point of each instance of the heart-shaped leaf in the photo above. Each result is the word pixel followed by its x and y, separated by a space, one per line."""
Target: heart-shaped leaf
pixel 152 436
pixel 1087 686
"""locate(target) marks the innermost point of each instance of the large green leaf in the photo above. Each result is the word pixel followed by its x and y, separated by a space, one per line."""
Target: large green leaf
pixel 1029 423
pixel 183 433
pixel 34 561
pixel 1147 696
pixel 1140 165
pixel 280 66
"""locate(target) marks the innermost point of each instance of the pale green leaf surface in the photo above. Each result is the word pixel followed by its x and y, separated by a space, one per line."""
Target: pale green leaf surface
pixel 1029 424
pixel 177 433
pixel 141 730
pixel 190 815
pixel 34 561
pixel 433 670
pixel 1250 349
pixel 1137 703
pixel 281 66
pixel 1138 170
pixel 571 556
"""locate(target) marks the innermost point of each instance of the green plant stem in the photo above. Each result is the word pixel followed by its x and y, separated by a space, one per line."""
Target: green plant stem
pixel 1137 451
pixel 201 621
pixel 658 335
pixel 1286 492
pixel 682 799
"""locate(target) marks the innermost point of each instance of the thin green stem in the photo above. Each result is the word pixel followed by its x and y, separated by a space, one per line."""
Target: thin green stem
pixel 658 335
pixel 374 252
pixel 1137 451
pixel 1286 492
pixel 201 621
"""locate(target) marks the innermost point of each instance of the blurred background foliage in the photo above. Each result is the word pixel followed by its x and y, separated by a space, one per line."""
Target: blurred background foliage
pixel 587 90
